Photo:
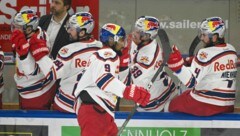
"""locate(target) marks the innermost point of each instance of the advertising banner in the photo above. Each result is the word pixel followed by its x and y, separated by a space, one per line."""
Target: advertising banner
pixel 8 8
pixel 23 130
pixel 50 123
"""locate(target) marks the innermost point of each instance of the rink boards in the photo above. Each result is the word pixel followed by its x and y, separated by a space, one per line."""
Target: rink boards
pixel 50 123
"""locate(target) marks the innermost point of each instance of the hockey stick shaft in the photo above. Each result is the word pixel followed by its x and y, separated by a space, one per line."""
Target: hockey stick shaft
pixel 167 50
pixel 191 51
pixel 193 46
pixel 127 120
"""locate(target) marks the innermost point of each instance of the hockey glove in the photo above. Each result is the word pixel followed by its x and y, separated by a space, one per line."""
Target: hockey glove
pixel 188 61
pixel 175 61
pixel 20 44
pixel 137 94
pixel 38 47
pixel 124 58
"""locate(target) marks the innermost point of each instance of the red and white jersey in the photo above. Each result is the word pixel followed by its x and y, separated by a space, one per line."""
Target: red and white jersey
pixel 1 70
pixel 68 66
pixel 145 61
pixel 30 81
pixel 212 75
pixel 101 81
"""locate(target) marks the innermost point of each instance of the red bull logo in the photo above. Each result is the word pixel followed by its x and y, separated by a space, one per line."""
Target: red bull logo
pixel 112 28
pixel 64 51
pixel 107 54
pixel 85 19
pixel 144 59
pixel 27 17
pixel 214 25
pixel 218 66
pixel 150 25
pixel 82 20
pixel 203 55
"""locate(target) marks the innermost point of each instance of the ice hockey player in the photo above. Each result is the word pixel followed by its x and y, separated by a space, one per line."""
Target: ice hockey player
pixel 211 78
pixel 35 90
pixel 99 86
pixel 146 58
pixel 71 59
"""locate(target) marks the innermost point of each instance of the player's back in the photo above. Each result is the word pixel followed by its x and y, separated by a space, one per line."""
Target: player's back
pixel 76 56
pixel 217 84
pixel 98 79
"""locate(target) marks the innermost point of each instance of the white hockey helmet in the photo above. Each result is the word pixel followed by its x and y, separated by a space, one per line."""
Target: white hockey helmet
pixel 213 25
pixel 148 25
pixel 82 20
pixel 26 18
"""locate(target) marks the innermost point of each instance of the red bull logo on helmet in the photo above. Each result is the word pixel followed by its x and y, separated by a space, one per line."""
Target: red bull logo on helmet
pixel 150 25
pixel 82 20
pixel 27 17
pixel 215 24
pixel 112 28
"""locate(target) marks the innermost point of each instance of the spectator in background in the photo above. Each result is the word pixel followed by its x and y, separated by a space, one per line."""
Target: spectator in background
pixel 54 24
pixel 1 75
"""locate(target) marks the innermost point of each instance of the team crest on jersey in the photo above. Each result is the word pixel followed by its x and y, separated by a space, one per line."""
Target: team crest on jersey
pixel 64 51
pixel 107 54
pixel 203 55
pixel 144 59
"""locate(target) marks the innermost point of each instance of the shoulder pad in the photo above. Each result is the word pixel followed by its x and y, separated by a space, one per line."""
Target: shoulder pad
pixel 204 55
pixel 65 51
pixel 95 44
pixel 105 54
pixel 230 47
pixel 148 54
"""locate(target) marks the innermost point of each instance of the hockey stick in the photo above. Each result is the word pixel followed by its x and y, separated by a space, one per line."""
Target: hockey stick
pixel 193 46
pixel 191 51
pixel 166 52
